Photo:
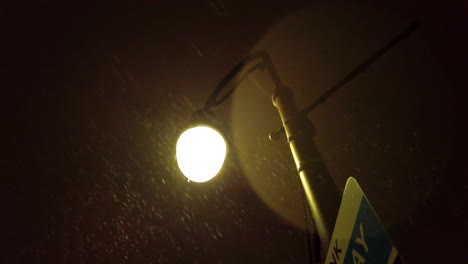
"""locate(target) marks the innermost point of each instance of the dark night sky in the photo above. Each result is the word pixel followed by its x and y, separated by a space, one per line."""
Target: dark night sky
pixel 96 96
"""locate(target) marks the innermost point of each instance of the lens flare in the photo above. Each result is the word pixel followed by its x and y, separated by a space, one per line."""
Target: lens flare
pixel 200 153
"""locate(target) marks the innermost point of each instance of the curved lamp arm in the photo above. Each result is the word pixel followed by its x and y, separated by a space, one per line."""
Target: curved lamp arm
pixel 265 63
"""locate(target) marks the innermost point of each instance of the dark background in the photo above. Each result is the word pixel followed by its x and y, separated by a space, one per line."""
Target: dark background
pixel 96 95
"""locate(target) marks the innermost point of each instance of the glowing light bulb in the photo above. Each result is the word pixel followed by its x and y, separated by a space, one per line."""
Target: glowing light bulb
pixel 200 153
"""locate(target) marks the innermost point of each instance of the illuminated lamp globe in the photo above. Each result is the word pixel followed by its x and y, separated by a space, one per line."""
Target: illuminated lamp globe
pixel 200 153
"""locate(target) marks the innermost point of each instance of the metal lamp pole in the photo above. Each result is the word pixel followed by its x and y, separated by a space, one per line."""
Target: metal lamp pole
pixel 322 194
pixel 320 190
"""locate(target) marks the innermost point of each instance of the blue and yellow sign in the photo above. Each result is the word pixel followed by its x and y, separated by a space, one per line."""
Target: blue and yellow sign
pixel 359 237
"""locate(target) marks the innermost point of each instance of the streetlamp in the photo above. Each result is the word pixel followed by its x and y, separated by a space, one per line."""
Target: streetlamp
pixel 321 192
pixel 201 149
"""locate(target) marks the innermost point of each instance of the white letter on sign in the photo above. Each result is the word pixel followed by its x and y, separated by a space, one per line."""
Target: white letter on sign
pixel 360 240
pixel 357 258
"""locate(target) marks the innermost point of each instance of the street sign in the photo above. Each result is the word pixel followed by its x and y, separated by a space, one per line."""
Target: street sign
pixel 359 237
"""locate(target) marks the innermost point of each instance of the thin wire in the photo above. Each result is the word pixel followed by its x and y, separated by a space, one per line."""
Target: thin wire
pixel 360 68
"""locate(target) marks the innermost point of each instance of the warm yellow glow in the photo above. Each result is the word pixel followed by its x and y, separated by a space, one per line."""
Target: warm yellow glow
pixel 200 153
